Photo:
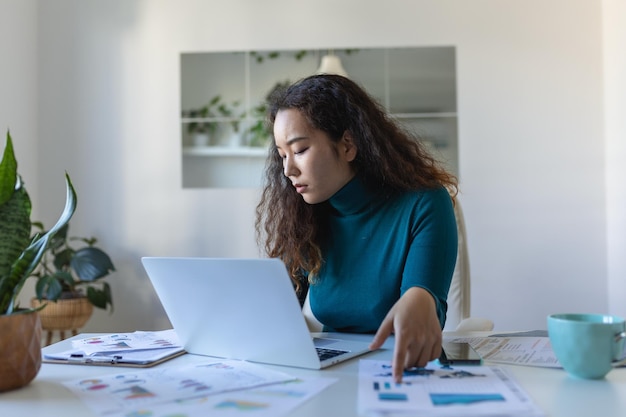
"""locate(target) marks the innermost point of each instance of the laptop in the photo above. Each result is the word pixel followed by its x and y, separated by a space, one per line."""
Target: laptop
pixel 242 309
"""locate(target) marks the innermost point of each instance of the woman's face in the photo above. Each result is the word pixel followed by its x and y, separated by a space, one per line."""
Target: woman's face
pixel 316 166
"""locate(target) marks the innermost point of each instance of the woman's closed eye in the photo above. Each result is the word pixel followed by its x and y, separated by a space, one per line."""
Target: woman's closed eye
pixel 297 152
pixel 300 151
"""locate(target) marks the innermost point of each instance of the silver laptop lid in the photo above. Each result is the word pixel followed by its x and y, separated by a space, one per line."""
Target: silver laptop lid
pixel 234 308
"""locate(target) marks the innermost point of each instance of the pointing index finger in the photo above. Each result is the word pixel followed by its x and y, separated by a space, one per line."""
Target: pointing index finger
pixel 399 359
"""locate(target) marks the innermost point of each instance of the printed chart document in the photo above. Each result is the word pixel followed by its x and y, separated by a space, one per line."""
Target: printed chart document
pixel 515 350
pixel 120 342
pixel 215 388
pixel 440 391
pixel 138 348
pixel 531 348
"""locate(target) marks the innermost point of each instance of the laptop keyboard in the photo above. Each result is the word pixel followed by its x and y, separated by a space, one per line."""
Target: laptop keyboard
pixel 328 353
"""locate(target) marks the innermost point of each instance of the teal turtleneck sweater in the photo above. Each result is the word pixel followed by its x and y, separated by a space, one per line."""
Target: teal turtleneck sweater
pixel 375 248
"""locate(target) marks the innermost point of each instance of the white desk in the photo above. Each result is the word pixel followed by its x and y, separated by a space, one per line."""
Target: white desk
pixel 557 394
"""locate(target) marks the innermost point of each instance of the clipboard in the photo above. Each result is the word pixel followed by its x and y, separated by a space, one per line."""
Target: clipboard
pixel 69 353
pixel 133 359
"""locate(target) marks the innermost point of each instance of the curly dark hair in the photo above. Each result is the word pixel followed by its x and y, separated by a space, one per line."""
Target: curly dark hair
pixel 389 160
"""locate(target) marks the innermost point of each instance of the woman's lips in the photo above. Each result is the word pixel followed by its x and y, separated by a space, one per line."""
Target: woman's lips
pixel 300 188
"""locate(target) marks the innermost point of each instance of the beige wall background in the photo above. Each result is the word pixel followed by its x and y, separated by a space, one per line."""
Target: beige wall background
pixel 92 88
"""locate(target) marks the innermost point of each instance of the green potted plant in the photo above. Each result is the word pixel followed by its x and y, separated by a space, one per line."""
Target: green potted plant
pixel 69 281
pixel 67 271
pixel 259 135
pixel 205 120
pixel 20 254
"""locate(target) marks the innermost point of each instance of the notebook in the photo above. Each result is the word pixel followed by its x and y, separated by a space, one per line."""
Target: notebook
pixel 241 309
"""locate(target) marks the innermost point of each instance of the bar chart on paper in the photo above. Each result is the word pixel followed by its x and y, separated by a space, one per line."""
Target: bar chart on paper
pixel 437 390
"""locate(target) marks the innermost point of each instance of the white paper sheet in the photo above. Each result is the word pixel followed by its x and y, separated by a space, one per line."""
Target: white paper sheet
pixel 125 342
pixel 268 401
pixel 438 391
pixel 515 350
pixel 163 387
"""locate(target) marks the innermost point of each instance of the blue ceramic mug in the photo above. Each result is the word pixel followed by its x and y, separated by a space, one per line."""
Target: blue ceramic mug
pixel 587 345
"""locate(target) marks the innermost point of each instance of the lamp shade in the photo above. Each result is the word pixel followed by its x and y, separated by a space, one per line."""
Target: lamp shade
pixel 331 64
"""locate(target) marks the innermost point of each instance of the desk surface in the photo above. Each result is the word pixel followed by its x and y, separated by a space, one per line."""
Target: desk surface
pixel 557 394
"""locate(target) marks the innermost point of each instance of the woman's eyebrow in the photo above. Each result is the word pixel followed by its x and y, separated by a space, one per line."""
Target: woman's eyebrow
pixel 291 141
pixel 296 139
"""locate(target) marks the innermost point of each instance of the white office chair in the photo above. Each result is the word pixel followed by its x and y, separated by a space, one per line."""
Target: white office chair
pixel 311 321
pixel 458 316
pixel 459 295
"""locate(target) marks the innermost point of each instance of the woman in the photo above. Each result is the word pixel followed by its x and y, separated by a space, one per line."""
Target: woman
pixel 361 214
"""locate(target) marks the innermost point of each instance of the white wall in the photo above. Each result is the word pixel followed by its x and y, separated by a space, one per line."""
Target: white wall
pixel 18 85
pixel 614 33
pixel 531 139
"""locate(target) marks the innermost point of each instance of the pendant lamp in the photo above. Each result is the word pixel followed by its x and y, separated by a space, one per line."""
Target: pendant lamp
pixel 331 64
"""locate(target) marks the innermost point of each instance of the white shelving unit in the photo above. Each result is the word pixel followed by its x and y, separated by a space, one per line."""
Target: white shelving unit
pixel 416 85
pixel 225 151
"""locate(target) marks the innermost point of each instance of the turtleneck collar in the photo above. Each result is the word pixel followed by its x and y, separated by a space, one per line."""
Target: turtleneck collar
pixel 352 198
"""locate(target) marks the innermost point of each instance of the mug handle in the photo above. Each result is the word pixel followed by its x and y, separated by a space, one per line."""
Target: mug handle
pixel 619 362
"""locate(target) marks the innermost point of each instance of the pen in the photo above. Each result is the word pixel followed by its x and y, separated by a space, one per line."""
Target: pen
pixel 78 358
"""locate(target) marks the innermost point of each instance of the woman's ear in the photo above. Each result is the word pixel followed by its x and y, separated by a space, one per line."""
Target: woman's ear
pixel 347 147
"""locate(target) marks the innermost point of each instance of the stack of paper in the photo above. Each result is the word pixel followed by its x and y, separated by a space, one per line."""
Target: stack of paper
pixel 515 350
pixel 215 387
pixel 124 349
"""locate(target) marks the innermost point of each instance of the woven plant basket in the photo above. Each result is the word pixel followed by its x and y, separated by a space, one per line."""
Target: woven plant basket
pixel 66 314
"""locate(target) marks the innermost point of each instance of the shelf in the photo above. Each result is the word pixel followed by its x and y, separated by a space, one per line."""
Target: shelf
pixel 417 86
pixel 187 120
pixel 227 151
pixel 433 115
pixel 416 115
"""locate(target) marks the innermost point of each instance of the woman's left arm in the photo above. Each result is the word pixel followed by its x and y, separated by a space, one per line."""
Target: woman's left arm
pixel 417 317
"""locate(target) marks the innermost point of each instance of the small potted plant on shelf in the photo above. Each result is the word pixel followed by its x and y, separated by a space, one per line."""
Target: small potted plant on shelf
pixel 69 280
pixel 20 254
pixel 258 131
pixel 205 120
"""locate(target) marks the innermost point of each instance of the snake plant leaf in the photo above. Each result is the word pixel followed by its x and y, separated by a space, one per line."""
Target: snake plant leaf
pixel 59 237
pixel 21 269
pixel 14 229
pixel 14 238
pixel 15 208
pixel 8 172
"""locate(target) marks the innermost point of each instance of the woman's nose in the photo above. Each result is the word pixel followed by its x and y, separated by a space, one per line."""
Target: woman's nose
pixel 289 167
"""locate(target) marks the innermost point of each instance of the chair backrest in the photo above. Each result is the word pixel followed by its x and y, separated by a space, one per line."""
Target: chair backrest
pixel 312 322
pixel 460 287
